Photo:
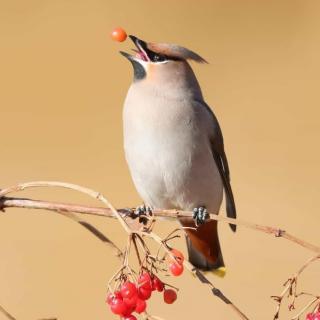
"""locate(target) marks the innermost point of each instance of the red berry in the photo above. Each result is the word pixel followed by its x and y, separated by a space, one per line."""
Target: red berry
pixel 128 289
pixel 310 316
pixel 169 296
pixel 118 306
pixel 131 302
pixel 130 317
pixel 176 268
pixel 141 306
pixel 178 256
pixel 112 296
pixel 118 34
pixel 144 294
pixel 157 284
pixel 145 281
pixel 128 311
pixel 316 316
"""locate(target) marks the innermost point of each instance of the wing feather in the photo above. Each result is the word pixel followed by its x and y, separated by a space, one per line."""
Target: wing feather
pixel 219 155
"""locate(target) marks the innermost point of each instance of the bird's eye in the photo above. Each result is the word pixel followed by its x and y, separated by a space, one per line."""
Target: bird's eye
pixel 158 58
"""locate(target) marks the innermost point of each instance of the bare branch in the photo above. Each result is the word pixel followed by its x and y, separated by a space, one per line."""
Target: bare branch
pixel 75 187
pixel 169 214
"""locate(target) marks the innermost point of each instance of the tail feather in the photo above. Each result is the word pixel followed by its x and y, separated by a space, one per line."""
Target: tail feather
pixel 200 261
pixel 203 246
pixel 231 212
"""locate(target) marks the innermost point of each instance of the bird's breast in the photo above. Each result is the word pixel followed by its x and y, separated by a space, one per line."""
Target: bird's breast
pixel 157 130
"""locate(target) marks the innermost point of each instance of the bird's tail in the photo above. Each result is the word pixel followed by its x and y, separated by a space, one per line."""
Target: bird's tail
pixel 204 248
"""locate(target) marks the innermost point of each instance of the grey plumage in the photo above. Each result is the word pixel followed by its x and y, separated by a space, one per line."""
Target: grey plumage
pixel 174 145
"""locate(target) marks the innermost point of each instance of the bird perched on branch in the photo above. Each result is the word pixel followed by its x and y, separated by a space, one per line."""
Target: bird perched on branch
pixel 174 145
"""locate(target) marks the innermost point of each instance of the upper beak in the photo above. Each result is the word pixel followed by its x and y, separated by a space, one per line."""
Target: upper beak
pixel 138 42
pixel 141 53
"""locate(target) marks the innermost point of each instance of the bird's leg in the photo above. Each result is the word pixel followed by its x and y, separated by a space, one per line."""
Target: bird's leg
pixel 200 215
pixel 143 212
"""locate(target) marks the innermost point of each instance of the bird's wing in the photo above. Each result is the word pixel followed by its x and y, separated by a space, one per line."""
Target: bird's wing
pixel 219 155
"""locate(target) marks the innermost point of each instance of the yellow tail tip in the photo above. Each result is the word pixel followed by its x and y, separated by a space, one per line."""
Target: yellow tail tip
pixel 219 272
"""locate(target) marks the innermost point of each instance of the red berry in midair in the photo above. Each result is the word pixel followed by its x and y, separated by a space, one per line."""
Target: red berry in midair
pixel 118 34
pixel 144 294
pixel 176 268
pixel 169 296
pixel 118 306
pixel 140 306
pixel 145 281
pixel 157 284
pixel 128 289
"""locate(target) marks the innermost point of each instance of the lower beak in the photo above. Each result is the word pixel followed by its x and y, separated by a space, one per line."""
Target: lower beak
pixel 127 55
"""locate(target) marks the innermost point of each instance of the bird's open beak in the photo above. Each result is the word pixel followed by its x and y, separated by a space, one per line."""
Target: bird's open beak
pixel 141 53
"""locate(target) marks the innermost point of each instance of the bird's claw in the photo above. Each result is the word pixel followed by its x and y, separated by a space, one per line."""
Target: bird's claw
pixel 200 215
pixel 143 212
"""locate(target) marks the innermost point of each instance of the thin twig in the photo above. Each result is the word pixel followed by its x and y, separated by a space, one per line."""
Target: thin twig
pixel 315 300
pixel 6 202
pixel 75 187
pixel 136 249
pixel 6 313
pixel 147 316
pixel 291 287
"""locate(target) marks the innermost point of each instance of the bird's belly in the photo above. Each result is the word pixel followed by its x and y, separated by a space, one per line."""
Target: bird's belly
pixel 169 171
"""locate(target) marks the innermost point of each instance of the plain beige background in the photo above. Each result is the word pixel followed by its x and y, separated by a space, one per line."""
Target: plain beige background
pixel 62 86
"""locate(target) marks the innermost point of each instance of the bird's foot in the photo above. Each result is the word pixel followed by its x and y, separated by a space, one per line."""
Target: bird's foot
pixel 144 213
pixel 200 215
pixel 143 210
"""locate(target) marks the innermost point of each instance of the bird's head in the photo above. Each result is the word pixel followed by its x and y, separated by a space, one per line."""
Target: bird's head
pixel 160 63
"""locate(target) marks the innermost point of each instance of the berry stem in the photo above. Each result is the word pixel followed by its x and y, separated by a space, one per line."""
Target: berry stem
pixel 170 286
pixel 113 277
pixel 136 248
pixel 305 308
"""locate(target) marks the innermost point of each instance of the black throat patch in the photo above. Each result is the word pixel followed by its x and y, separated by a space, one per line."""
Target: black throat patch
pixel 139 72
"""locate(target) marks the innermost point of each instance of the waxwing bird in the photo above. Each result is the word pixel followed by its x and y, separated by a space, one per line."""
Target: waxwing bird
pixel 174 145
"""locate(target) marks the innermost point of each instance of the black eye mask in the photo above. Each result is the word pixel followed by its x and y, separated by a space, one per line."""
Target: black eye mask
pixel 155 57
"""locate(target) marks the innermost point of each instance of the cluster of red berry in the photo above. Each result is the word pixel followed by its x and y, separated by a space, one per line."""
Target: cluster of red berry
pixel 313 316
pixel 131 297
